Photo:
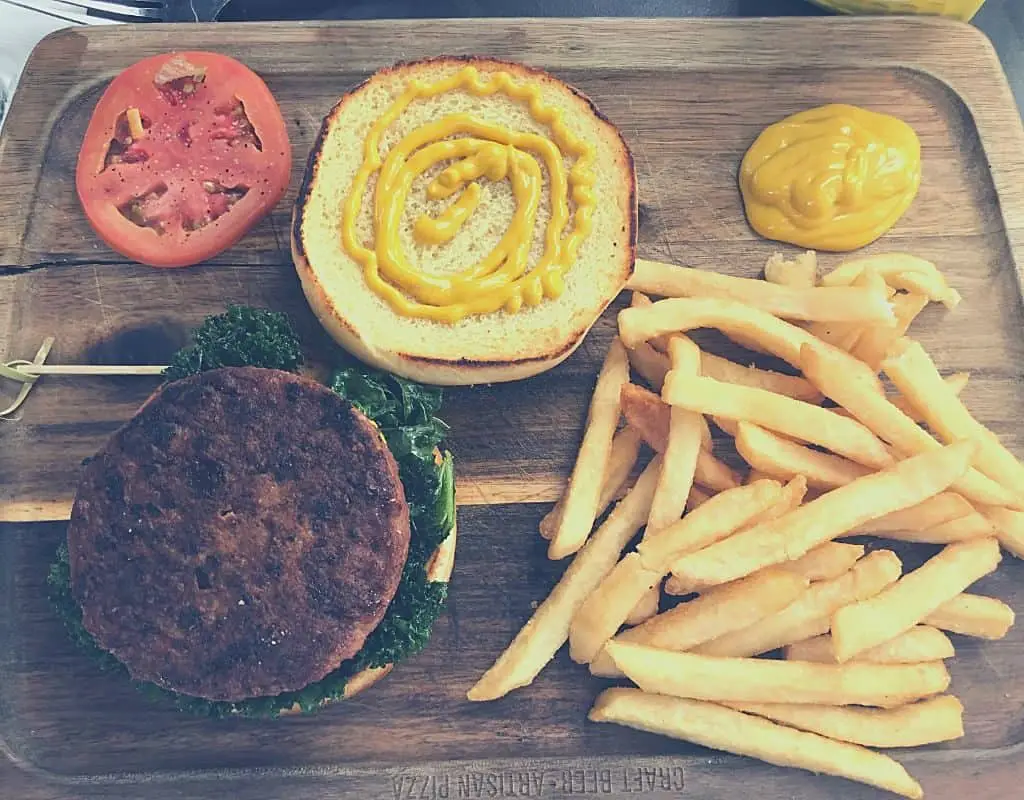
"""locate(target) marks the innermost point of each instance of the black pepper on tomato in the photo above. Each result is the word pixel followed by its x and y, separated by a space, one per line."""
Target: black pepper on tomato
pixel 184 153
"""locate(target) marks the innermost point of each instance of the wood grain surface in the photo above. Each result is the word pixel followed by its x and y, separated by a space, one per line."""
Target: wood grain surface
pixel 689 97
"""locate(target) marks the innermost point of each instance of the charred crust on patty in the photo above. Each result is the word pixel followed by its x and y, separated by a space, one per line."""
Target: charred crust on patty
pixel 240 537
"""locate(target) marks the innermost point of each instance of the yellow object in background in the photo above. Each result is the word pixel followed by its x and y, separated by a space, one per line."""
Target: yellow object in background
pixel 957 9
pixel 832 178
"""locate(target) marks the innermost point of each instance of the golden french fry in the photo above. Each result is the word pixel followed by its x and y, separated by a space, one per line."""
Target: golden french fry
pixel 854 386
pixel 847 335
pixel 584 490
pixel 548 629
pixel 645 609
pixel 936 510
pixel 737 321
pixel 957 381
pixel 913 373
pixel 873 343
pixel 712 521
pixel 825 518
pixel 779 413
pixel 1009 525
pixel 651 365
pixel 937 719
pixel 782 458
pixel 791 496
pixel 971 526
pixel 716 613
pixel 651 416
pixel 721 728
pixel 756 475
pixel 910 600
pixel 601 614
pixel 810 614
pixel 826 561
pixel 625 450
pixel 607 607
pixel 800 273
pixel 973 615
pixel 837 303
pixel 722 369
pixel 696 497
pixel 762 680
pixel 894 268
pixel 921 643
pixel 640 300
pixel 681 449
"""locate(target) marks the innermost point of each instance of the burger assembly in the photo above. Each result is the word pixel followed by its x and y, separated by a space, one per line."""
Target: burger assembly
pixel 260 540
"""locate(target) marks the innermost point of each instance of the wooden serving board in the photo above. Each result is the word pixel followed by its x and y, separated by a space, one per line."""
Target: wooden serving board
pixel 689 97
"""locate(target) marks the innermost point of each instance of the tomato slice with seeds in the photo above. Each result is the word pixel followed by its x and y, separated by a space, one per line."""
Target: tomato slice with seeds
pixel 184 153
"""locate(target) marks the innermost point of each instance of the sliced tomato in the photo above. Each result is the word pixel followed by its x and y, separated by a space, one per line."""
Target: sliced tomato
pixel 184 153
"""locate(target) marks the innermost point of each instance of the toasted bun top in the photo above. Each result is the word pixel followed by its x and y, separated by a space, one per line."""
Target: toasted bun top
pixel 482 348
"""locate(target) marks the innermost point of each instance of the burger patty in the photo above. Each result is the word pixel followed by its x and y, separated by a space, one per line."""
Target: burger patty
pixel 240 536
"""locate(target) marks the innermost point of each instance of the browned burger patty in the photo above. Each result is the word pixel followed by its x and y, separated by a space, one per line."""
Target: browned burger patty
pixel 240 537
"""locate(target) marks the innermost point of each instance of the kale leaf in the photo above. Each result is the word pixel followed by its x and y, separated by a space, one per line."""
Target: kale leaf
pixel 240 337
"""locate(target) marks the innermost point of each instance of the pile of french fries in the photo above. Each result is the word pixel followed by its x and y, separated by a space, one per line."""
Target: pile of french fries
pixel 832 453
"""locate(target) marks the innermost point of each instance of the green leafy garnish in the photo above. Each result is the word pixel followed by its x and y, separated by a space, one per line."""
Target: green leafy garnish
pixel 404 413
pixel 241 337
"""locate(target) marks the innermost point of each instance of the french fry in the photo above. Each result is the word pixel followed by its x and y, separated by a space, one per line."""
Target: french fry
pixel 800 273
pixel 651 365
pixel 937 719
pixel 826 561
pixel 659 343
pixel 830 304
pixel 548 629
pixel 696 497
pixel 648 414
pixel 973 615
pixel 875 341
pixel 623 456
pixel 914 374
pixel 910 600
pixel 825 518
pixel 757 475
pixel 810 614
pixel 782 458
pixel 651 416
pixel 645 609
pixel 927 514
pixel 855 387
pixel 737 321
pixel 791 496
pixel 722 369
pixel 606 608
pixel 779 413
pixel 971 526
pixel 1009 526
pixel 956 381
pixel 920 644
pixel 583 493
pixel 763 680
pixel 718 612
pixel 681 449
pixel 712 521
pixel 847 335
pixel 894 268
pixel 721 728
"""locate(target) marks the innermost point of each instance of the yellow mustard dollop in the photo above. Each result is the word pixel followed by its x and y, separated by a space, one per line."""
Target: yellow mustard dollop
pixel 476 150
pixel 831 178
